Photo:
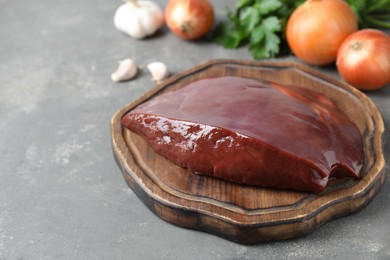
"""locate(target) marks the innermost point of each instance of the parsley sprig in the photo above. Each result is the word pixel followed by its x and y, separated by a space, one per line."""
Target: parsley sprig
pixel 258 23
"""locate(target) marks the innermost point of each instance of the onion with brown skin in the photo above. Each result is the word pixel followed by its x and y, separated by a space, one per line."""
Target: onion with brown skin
pixel 316 29
pixel 363 59
pixel 189 19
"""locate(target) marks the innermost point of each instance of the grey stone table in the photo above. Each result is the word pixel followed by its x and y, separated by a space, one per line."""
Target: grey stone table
pixel 62 196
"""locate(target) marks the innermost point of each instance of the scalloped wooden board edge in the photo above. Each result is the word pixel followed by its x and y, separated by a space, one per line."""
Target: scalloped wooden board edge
pixel 246 222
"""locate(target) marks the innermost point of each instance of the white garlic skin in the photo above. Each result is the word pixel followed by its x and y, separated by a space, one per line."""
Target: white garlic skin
pixel 158 70
pixel 139 19
pixel 126 70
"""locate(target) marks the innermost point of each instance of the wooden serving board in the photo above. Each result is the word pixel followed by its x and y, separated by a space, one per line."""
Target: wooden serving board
pixel 242 213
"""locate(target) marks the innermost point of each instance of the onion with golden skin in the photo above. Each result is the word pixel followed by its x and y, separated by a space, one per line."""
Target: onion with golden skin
pixel 316 29
pixel 189 19
pixel 363 59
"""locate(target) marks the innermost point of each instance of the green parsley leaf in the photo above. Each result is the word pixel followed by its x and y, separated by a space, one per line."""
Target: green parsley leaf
pixel 242 3
pixel 249 19
pixel 258 35
pixel 272 24
pixel 227 36
pixel 268 6
pixel 258 51
pixel 264 42
pixel 272 44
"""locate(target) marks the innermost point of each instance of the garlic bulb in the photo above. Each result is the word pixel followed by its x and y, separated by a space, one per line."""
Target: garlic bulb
pixel 126 70
pixel 158 70
pixel 139 19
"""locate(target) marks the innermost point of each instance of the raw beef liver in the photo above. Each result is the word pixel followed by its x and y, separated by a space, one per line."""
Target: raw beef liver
pixel 251 132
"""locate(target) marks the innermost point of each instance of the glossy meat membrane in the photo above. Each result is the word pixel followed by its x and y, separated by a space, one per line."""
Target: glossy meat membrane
pixel 251 132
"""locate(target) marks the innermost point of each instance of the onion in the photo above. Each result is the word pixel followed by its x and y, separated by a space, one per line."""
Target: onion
pixel 363 59
pixel 316 29
pixel 189 19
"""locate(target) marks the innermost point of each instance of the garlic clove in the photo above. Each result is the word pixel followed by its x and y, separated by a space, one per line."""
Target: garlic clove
pixel 126 70
pixel 158 70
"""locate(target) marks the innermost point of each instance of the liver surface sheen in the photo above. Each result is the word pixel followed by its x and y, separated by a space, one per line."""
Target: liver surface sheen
pixel 251 132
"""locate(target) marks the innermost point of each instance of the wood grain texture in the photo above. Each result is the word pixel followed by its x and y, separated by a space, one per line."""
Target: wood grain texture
pixel 242 213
